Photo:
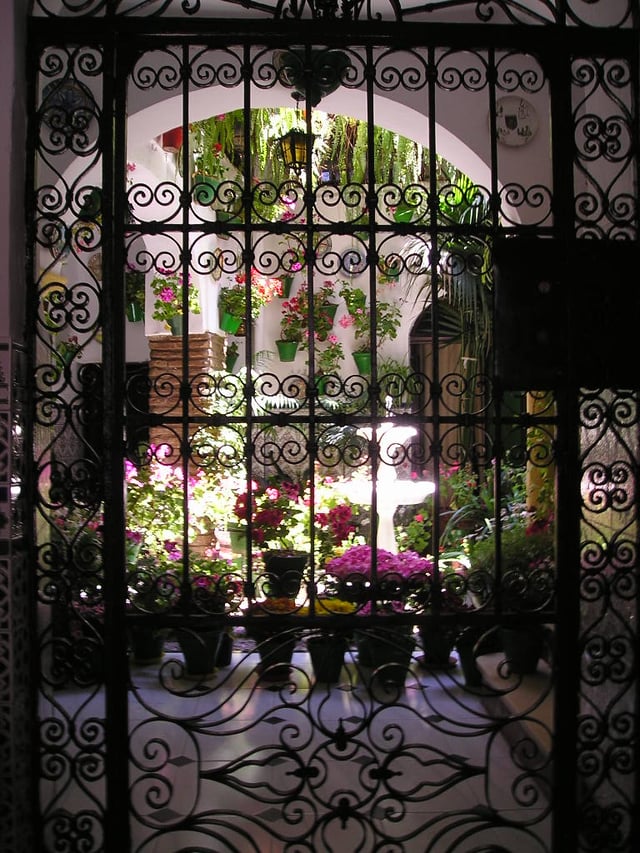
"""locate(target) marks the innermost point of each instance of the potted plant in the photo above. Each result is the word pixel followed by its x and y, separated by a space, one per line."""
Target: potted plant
pixel 231 356
pixel 66 350
pixel 154 503
pixel 168 287
pixel 214 590
pixel 232 302
pixel 527 554
pixel 280 527
pixel 329 358
pixel 275 646
pixel 389 268
pixel 355 298
pixel 387 322
pixel 327 646
pixel 293 326
pixel 210 170
pixel 134 293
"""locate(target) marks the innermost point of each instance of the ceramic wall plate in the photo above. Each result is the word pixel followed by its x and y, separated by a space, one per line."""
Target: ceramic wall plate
pixel 66 97
pixel 353 261
pixel 516 121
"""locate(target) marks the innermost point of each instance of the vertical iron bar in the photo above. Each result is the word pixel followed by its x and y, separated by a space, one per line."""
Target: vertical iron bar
pixel 567 664
pixel 116 828
pixel 185 385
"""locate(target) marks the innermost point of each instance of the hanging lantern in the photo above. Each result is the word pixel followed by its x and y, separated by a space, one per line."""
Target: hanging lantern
pixel 293 149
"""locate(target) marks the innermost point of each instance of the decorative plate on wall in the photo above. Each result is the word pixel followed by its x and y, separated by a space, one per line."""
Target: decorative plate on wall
pixel 353 261
pixel 516 121
pixel 62 99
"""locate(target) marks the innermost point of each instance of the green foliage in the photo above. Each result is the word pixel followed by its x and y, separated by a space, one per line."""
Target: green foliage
pixel 168 288
pixel 413 528
pixel 342 144
pixel 470 497
pixel 524 547
pixel 134 287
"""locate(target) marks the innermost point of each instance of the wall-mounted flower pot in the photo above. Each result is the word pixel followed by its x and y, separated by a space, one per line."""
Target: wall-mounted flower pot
pixel 171 140
pixel 229 322
pixel 225 216
pixel 403 213
pixel 363 362
pixel 287 281
pixel 330 309
pixel 205 190
pixel 287 350
pixel 230 361
pixel 135 314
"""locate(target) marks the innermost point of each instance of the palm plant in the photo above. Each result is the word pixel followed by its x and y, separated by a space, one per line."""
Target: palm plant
pixel 464 289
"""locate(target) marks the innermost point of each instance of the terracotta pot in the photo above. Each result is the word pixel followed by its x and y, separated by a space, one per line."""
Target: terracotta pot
pixel 171 140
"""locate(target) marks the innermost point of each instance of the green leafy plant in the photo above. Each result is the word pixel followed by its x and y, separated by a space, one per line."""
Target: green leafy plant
pixel 469 496
pixel 264 289
pixel 294 323
pixel 155 495
pixel 134 286
pixel 168 288
pixel 527 557
pixel 329 357
pixel 387 318
pixel 413 528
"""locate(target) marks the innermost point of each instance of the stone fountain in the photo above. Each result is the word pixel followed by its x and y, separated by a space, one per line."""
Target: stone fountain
pixel 391 492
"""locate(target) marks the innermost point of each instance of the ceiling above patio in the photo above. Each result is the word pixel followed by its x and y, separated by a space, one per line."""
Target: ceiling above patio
pixel 590 13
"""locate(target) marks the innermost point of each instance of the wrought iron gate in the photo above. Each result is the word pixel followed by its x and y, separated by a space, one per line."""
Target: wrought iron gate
pixel 514 488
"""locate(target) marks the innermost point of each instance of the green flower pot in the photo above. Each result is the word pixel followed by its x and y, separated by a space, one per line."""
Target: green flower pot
pixel 175 324
pixel 363 362
pixel 287 350
pixel 135 314
pixel 205 190
pixel 403 213
pixel 238 538
pixel 287 281
pixel 230 323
